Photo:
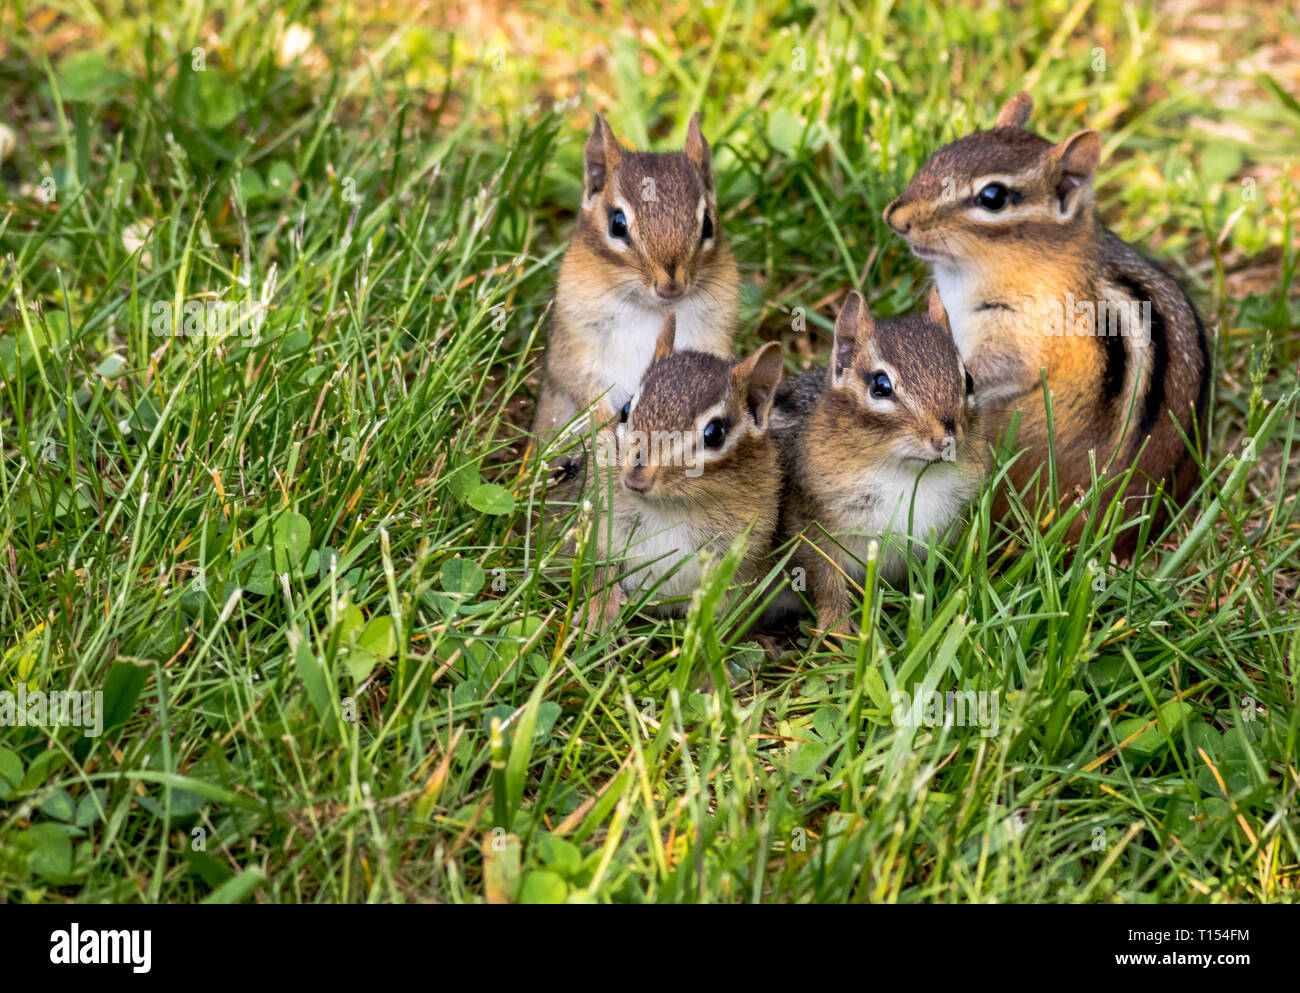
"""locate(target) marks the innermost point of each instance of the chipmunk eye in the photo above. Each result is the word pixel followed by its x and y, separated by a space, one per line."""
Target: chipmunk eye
pixel 881 387
pixel 715 433
pixel 993 197
pixel 623 414
pixel 970 385
pixel 617 224
pixel 706 232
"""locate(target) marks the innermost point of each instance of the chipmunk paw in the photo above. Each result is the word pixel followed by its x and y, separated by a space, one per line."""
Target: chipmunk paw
pixel 601 612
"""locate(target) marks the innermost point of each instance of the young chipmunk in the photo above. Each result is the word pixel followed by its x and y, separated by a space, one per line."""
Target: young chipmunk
pixel 1033 281
pixel 882 446
pixel 693 467
pixel 649 238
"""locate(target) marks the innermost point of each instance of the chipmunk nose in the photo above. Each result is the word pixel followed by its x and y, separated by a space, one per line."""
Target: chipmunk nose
pixel 669 289
pixel 638 480
pixel 945 441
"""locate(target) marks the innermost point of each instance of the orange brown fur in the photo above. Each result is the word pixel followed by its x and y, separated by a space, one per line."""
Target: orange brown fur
pixel 671 496
pixel 859 467
pixel 613 293
pixel 1008 275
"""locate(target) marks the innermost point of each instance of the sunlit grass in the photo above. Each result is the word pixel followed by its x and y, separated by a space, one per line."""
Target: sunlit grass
pixel 299 563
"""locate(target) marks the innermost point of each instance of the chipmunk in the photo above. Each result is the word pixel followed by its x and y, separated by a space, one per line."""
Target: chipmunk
pixel 1033 281
pixel 689 466
pixel 649 238
pixel 882 446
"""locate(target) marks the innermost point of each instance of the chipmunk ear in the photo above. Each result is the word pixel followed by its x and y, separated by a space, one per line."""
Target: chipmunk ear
pixel 667 339
pixel 756 380
pixel 697 150
pixel 938 313
pixel 852 330
pixel 601 156
pixel 1016 112
pixel 1074 161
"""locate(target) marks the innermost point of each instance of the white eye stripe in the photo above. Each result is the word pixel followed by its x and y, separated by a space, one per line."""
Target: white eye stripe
pixel 1014 185
pixel 717 411
pixel 878 364
pixel 1010 214
pixel 620 244
pixel 702 213
pixel 895 384
pixel 1016 182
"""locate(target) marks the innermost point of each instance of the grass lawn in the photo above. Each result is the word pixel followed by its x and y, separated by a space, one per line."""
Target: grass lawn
pixel 296 557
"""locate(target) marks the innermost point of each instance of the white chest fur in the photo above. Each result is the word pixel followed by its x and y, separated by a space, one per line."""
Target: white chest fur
pixel 627 334
pixel 957 290
pixel 659 543
pixel 902 502
pixel 977 328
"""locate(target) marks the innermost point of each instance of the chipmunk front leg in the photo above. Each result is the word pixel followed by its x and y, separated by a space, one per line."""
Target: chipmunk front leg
pixel 831 598
pixel 604 606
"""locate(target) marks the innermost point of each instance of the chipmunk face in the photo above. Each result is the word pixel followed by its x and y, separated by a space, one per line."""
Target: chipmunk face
pixel 902 382
pixel 697 426
pixel 651 219
pixel 982 200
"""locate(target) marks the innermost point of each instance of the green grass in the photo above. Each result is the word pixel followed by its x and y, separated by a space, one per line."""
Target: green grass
pixel 400 198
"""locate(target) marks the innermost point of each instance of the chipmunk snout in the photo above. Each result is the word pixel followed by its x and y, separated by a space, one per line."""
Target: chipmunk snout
pixel 945 438
pixel 897 216
pixel 638 479
pixel 671 286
